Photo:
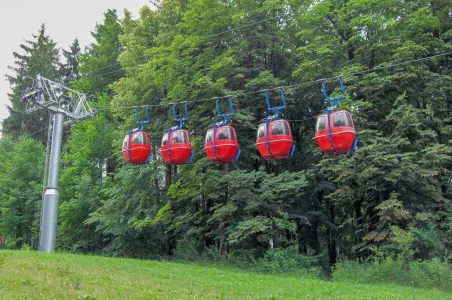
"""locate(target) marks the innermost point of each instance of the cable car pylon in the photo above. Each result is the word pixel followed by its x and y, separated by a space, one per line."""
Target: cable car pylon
pixel 61 102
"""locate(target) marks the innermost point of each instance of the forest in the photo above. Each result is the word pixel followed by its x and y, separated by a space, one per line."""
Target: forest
pixel 390 198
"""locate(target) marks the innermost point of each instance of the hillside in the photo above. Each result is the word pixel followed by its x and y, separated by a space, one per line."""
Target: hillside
pixel 32 275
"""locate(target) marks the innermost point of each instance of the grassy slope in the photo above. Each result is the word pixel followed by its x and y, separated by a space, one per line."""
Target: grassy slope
pixel 26 274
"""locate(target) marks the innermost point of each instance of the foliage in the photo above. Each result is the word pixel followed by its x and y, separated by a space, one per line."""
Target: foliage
pixel 394 262
pixel 422 274
pixel 40 57
pixel 281 214
pixel 98 66
pixel 288 260
pixel 22 165
pixel 69 69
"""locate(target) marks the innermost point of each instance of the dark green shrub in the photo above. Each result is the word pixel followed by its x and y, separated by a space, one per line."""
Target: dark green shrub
pixel 423 274
pixel 431 273
pixel 287 260
pixel 277 260
pixel 187 249
pixel 427 241
pixel 394 262
pixel 243 258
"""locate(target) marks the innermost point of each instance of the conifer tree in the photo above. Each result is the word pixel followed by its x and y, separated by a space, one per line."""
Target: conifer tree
pixel 40 57
pixel 69 69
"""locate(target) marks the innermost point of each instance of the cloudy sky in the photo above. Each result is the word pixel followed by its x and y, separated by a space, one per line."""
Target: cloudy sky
pixel 65 20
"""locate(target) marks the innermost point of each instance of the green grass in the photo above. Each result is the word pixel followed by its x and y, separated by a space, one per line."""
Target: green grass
pixel 33 275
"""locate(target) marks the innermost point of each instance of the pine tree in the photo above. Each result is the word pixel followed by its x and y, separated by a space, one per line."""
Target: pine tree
pixel 40 57
pixel 99 64
pixel 69 69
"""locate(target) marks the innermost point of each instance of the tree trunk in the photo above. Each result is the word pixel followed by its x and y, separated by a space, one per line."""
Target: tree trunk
pixel 332 253
pixel 223 244
pixel 176 174
pixel 359 220
pixel 167 176
pixel 156 178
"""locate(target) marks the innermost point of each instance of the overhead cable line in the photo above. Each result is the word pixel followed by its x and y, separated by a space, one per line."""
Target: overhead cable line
pixel 283 86
pixel 191 53
pixel 174 47
pixel 270 89
pixel 255 123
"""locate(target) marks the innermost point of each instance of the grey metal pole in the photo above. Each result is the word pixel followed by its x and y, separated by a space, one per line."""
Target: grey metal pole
pixel 49 219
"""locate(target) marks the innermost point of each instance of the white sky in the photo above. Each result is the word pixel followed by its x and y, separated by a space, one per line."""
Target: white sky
pixel 65 20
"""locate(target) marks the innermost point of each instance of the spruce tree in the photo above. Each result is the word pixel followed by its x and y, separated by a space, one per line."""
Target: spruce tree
pixel 40 57
pixel 69 69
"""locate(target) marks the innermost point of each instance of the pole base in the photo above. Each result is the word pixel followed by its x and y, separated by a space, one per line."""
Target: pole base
pixel 47 235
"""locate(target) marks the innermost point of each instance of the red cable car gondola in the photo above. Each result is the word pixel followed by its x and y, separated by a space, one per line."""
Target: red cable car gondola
pixel 136 147
pixel 178 150
pixel 221 143
pixel 176 146
pixel 342 130
pixel 221 147
pixel 274 137
pixel 335 131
